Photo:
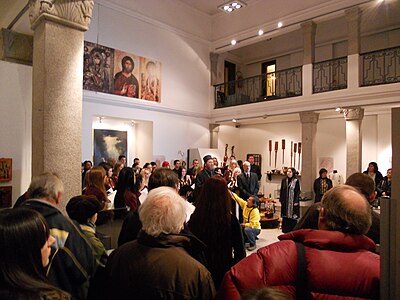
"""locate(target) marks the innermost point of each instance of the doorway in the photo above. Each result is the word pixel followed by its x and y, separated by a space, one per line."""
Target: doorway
pixel 268 82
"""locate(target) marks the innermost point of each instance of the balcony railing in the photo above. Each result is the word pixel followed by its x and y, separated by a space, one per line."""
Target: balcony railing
pixel 271 86
pixel 380 67
pixel 330 75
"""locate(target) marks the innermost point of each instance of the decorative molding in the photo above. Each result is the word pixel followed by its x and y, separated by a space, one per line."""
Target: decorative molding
pixel 114 100
pixel 214 127
pixel 309 117
pixel 353 113
pixel 73 13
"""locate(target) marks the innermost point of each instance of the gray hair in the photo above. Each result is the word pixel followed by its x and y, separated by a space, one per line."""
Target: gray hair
pixel 163 211
pixel 346 212
pixel 45 186
pixel 246 163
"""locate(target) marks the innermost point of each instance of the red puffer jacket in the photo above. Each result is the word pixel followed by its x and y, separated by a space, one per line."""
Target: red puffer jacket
pixel 339 265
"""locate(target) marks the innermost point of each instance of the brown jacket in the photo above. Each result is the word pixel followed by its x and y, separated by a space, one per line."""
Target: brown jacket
pixel 157 268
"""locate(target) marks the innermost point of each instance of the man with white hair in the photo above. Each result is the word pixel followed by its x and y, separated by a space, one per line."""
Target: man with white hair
pixel 72 262
pixel 157 264
pixel 247 182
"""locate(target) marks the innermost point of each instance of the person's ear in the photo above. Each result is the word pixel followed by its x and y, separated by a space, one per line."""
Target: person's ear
pixel 321 219
pixel 373 196
pixel 59 197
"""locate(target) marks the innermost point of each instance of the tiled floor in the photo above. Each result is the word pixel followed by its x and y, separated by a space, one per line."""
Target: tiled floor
pixel 266 237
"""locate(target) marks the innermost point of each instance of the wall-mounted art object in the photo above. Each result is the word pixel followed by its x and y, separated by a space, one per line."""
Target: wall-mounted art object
pixel 98 67
pixel 121 73
pixel 5 196
pixel 108 145
pixel 5 169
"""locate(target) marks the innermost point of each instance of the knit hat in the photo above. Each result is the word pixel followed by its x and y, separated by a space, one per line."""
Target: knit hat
pixel 207 158
pixel 81 208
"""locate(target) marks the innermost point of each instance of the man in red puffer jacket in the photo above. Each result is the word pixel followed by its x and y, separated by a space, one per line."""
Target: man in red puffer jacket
pixel 339 258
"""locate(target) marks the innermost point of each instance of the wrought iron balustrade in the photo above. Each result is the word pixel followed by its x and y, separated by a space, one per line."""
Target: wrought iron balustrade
pixel 330 75
pixel 380 67
pixel 275 85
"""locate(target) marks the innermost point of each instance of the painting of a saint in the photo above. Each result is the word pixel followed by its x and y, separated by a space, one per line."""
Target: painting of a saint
pixel 126 70
pixel 108 145
pixel 97 66
pixel 150 79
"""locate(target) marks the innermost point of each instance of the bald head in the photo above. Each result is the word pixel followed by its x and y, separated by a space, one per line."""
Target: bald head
pixel 344 209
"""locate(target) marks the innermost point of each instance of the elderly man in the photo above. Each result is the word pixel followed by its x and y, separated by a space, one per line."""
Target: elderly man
pixel 247 182
pixel 157 265
pixel 333 262
pixel 72 261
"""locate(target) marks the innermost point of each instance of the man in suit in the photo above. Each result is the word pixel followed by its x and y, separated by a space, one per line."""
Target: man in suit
pixel 247 182
pixel 254 168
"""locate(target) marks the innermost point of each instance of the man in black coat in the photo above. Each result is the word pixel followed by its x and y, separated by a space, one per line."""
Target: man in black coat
pixel 254 168
pixel 247 182
pixel 206 173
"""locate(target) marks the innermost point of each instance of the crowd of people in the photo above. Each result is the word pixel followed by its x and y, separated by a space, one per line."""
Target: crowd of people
pixel 182 239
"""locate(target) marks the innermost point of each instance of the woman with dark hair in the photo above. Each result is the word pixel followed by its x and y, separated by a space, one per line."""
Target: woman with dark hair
pixel 322 184
pixel 24 255
pixel 108 181
pixel 374 173
pixel 128 190
pixel 185 184
pixel 117 168
pixel 290 195
pixel 213 223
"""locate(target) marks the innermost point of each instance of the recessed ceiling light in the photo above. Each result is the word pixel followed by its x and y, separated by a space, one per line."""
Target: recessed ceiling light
pixel 280 24
pixel 232 6
pixel 230 9
pixel 238 6
pixel 233 42
pixel 337 109
pixel 226 7
pixel 260 32
pixel 234 3
pixel 234 120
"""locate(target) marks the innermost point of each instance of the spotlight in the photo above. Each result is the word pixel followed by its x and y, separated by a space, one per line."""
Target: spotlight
pixel 280 24
pixel 260 32
pixel 233 42
pixel 234 120
pixel 338 109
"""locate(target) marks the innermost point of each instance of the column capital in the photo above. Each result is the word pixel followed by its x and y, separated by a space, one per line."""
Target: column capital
pixel 309 117
pixel 309 27
pixel 73 13
pixel 353 113
pixel 214 127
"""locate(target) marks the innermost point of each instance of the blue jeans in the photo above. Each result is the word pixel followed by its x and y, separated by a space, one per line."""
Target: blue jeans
pixel 251 234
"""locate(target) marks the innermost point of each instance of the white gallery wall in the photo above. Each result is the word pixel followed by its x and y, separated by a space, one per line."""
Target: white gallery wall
pixel 330 141
pixel 16 123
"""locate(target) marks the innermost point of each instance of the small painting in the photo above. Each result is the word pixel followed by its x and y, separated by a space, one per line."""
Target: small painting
pixel 108 145
pixel 5 169
pixel 5 196
pixel 327 163
pixel 98 66
pixel 126 72
pixel 150 80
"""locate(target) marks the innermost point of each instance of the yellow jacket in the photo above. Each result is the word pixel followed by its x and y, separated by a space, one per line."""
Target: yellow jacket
pixel 251 216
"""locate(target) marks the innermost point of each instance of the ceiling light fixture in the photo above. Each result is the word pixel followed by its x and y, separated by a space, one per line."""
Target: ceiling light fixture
pixel 234 120
pixel 260 32
pixel 233 42
pixel 280 24
pixel 232 6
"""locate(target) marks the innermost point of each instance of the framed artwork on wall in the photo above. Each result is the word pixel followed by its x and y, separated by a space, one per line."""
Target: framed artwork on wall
pixel 108 145
pixel 5 169
pixel 5 196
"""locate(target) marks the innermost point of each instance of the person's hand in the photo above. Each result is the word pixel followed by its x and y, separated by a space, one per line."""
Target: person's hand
pixel 124 89
pixel 242 225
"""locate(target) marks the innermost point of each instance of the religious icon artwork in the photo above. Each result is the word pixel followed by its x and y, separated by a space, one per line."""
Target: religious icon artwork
pixel 150 79
pixel 108 145
pixel 5 196
pixel 5 169
pixel 126 74
pixel 98 65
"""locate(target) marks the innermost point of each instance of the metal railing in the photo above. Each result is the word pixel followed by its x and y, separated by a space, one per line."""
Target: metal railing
pixel 381 67
pixel 330 75
pixel 275 85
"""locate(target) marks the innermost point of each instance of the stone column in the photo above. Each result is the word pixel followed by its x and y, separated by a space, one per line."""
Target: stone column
pixel 309 29
pixel 214 67
pixel 353 17
pixel 59 27
pixel 214 129
pixel 390 222
pixel 353 118
pixel 309 122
